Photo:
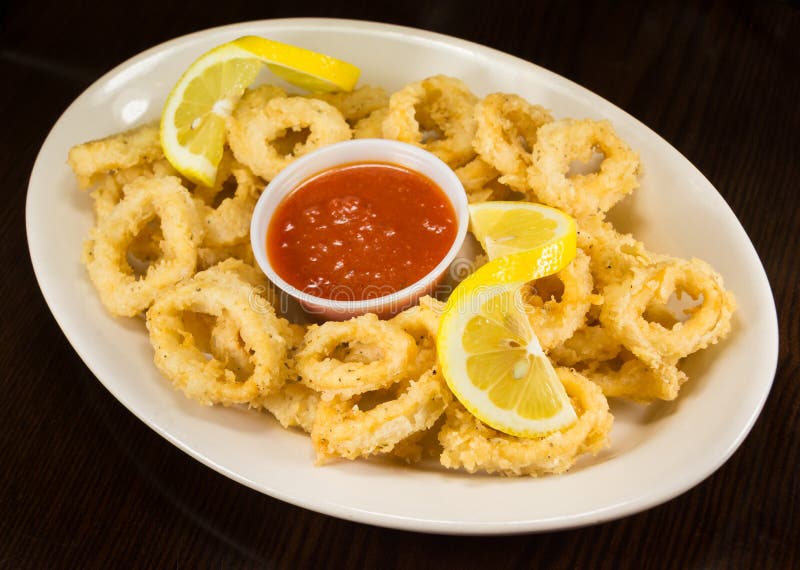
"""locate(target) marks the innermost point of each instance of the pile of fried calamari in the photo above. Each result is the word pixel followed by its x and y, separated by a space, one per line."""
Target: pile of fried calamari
pixel 180 254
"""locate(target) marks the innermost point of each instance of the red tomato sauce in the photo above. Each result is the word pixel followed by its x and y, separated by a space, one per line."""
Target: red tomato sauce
pixel 360 231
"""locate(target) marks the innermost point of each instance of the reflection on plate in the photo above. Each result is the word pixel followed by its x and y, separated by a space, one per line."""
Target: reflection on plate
pixel 657 452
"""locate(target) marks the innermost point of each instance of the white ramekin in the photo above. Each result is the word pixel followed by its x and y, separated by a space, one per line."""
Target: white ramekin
pixel 362 150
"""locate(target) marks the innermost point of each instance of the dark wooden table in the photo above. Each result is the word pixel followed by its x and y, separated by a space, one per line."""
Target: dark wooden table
pixel 84 483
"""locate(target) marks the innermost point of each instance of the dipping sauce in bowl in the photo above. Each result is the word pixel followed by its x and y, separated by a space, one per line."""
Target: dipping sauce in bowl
pixel 360 231
pixel 361 226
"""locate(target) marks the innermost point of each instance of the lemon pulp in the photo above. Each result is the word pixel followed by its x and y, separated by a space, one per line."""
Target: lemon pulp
pixel 505 228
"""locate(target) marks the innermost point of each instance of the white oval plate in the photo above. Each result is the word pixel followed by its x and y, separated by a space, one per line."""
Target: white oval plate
pixel 656 453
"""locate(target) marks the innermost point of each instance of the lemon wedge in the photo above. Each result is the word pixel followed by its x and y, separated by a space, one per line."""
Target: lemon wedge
pixel 193 120
pixel 489 354
pixel 505 228
pixel 493 363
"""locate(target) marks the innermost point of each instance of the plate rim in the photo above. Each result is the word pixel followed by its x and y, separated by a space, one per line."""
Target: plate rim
pixel 383 519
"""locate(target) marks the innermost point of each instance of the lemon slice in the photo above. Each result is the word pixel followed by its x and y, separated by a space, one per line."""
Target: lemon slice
pixel 193 120
pixel 489 354
pixel 504 228
pixel 493 363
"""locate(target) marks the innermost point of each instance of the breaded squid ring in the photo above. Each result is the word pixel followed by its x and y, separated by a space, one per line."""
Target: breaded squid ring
pixel 589 343
pixel 294 404
pixel 469 444
pixel 439 104
pixel 613 255
pixel 228 223
pixel 421 322
pixel 341 429
pixel 562 142
pixel 626 376
pixel 420 445
pixel 371 126
pixel 506 134
pixel 224 181
pixel 599 356
pixel 110 187
pixel 481 182
pixel 225 343
pixel 223 295
pixel 555 320
pixel 416 401
pixel 253 128
pixel 322 372
pixel 264 296
pixel 210 256
pixel 133 147
pixel 224 338
pixel 105 253
pixel 623 311
pixel 357 104
pixel 226 346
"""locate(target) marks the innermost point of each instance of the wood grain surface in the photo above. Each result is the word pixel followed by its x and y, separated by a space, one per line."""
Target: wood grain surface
pixel 83 483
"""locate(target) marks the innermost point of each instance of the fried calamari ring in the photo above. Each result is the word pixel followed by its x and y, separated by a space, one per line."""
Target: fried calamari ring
pixel 436 114
pixel 341 429
pixel 264 296
pixel 222 295
pixel 626 376
pixel 481 182
pixel 226 343
pixel 599 356
pixel 263 117
pixel 322 371
pixel 110 186
pixel 474 176
pixel 210 256
pixel 562 142
pixel 110 189
pixel 106 194
pixel 422 324
pixel 120 151
pixel 613 255
pixel 557 305
pixel 253 102
pixel 506 133
pixel 623 312
pixel 371 126
pixel 105 253
pixel 227 222
pixel 469 444
pixel 357 104
pixel 420 445
pixel 293 405
pixel 251 276
pixel 591 343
